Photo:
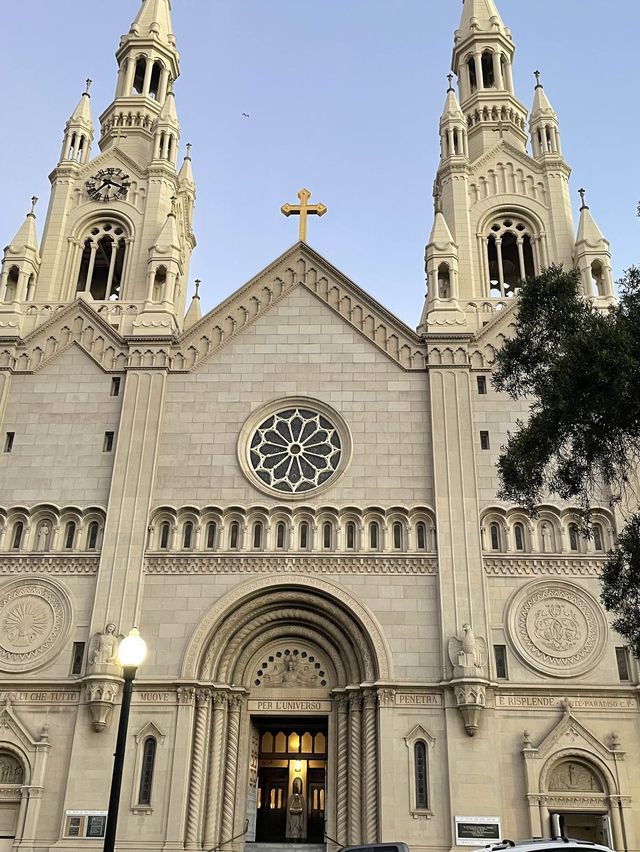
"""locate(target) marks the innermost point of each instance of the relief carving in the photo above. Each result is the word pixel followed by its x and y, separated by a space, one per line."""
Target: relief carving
pixel 34 618
pixel 574 778
pixel 468 654
pixel 291 670
pixel 11 771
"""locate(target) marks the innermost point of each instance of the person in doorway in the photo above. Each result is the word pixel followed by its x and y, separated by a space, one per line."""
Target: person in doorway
pixel 295 812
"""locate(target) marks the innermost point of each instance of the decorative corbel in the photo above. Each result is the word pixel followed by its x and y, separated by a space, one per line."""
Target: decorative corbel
pixel 101 694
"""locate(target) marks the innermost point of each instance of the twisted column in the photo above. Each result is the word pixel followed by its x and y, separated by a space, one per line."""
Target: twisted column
pixel 370 742
pixel 197 769
pixel 231 769
pixel 212 810
pixel 355 768
pixel 342 776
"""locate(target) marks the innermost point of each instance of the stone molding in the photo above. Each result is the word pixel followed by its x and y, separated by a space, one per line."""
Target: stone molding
pixel 533 566
pixel 289 564
pixel 57 564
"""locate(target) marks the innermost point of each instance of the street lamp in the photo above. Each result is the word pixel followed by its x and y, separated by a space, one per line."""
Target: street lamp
pixel 131 653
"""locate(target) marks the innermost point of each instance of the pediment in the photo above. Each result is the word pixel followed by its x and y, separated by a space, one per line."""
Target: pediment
pixel 108 158
pixel 149 730
pixel 498 152
pixel 570 733
pixel 301 266
pixel 13 728
pixel 491 337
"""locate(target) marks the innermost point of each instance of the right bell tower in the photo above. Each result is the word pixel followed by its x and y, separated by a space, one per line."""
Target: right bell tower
pixel 503 209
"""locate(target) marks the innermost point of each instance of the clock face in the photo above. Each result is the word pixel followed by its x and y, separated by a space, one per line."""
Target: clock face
pixel 108 185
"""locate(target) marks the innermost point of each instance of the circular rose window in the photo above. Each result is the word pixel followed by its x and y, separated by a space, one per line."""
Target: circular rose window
pixel 294 447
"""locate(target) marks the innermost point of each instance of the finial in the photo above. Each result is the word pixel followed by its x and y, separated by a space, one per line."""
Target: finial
pixel 450 79
pixel 34 201
pixel 189 147
pixel 437 201
pixel 174 202
pixel 582 193
pixel 526 739
pixel 89 82
pixel 537 75
pixel 198 282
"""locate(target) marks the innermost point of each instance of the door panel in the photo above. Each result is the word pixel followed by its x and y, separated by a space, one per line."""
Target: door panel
pixel 316 805
pixel 271 823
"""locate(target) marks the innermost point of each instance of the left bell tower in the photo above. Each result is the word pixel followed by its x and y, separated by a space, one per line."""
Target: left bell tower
pixel 105 234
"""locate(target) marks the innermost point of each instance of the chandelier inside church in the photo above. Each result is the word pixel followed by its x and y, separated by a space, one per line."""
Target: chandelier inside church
pixel 295 450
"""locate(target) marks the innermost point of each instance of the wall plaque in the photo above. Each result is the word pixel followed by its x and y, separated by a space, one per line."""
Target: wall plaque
pixel 477 831
pixel 289 705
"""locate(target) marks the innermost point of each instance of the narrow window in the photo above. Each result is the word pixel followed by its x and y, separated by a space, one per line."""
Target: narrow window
pixel 154 85
pixel 304 536
pixel 374 536
pixel 280 535
pixel 160 284
pixel 495 536
pixel 484 441
pixel 139 75
pixel 622 658
pixel 482 385
pixel 211 535
pixel 420 761
pixel 500 654
pixel 327 535
pixel 351 536
pixel 187 536
pixel 77 658
pixel 473 78
pixel 108 442
pixel 573 537
pixel 518 532
pixel 397 536
pixel 488 76
pixel 115 386
pixel 146 775
pixel 234 536
pixel 257 535
pixel 164 536
pixel 421 533
pixel 92 538
pixel 598 537
pixel 8 442
pixel 18 531
pixel 69 536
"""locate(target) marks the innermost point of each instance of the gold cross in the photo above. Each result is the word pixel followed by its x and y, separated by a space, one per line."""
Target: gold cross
pixel 303 210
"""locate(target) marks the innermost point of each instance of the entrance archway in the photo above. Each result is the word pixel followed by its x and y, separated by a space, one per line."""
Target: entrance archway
pixel 285 653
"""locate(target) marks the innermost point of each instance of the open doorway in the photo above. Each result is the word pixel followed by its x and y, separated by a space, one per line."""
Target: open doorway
pixel 594 828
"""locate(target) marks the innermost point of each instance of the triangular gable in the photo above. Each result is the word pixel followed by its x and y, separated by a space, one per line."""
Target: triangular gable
pixel 502 147
pixel 491 337
pixel 107 157
pixel 569 732
pixel 149 730
pixel 300 266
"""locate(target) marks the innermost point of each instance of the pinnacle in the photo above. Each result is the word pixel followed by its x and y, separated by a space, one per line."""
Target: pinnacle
pixel 480 15
pixel 26 237
pixel 541 103
pixel 588 230
pixel 82 113
pixel 154 17
pixel 452 107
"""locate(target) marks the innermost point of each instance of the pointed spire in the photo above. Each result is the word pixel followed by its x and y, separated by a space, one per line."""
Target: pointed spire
pixel 588 230
pixel 185 175
pixel 440 238
pixel 82 113
pixel 541 105
pixel 194 313
pixel 452 109
pixel 26 239
pixel 168 113
pixel 154 18
pixel 480 15
pixel 169 237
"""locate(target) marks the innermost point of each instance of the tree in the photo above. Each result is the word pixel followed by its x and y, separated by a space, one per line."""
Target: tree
pixel 580 369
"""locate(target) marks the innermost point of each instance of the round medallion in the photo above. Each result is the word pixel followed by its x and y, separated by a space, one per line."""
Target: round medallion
pixel 294 447
pixel 557 628
pixel 34 620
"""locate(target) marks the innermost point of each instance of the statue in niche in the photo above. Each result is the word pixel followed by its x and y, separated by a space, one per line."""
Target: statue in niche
pixel 293 671
pixel 104 647
pixel 573 777
pixel 468 652
pixel 546 538
pixel 295 812
pixel 43 537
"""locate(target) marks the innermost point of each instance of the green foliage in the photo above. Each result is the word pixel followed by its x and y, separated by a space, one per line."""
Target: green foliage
pixel 580 369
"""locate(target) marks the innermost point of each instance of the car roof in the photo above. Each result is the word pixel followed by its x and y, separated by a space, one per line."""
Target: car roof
pixel 536 844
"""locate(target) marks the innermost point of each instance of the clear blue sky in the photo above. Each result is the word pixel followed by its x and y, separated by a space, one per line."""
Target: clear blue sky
pixel 344 98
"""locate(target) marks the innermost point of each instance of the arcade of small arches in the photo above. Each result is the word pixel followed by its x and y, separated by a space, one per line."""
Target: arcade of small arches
pixel 550 532
pixel 17 284
pixel 144 75
pixel 302 529
pixel 488 69
pixel 48 529
pixel 511 255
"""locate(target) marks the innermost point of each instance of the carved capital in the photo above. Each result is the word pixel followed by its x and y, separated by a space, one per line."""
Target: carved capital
pixel 186 694
pixel 471 698
pixel 202 696
pixel 219 699
pixel 355 702
pixel 370 699
pixel 235 703
pixel 342 703
pixel 387 697
pixel 100 695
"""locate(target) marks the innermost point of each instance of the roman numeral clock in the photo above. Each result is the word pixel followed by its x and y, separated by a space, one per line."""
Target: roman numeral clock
pixel 110 184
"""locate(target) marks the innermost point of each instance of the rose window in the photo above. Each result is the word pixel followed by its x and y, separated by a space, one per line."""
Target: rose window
pixel 295 450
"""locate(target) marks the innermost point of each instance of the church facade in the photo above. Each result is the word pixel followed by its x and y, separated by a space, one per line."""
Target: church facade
pixel 293 497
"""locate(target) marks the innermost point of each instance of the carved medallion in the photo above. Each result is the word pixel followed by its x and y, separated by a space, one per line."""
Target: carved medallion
pixel 34 620
pixel 291 668
pixel 557 628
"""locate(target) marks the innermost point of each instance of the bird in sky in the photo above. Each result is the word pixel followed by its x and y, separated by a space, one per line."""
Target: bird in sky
pixel 245 114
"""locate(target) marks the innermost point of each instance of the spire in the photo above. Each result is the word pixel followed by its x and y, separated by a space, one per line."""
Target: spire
pixel 544 126
pixel 588 230
pixel 167 131
pixel 453 127
pixel 185 176
pixel 194 313
pixel 82 113
pixel 593 255
pixel 21 261
pixel 169 238
pixel 154 18
pixel 26 240
pixel 480 16
pixel 78 131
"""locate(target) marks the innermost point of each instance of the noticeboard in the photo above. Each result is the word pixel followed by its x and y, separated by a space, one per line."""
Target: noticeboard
pixel 477 831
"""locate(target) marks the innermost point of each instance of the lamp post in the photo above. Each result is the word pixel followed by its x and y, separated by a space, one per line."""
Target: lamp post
pixel 131 653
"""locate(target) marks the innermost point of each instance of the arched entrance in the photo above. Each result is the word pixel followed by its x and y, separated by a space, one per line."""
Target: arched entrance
pixel 287 737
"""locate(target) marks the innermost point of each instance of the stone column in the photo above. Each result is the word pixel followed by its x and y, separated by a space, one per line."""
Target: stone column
pixel 355 768
pixel 194 805
pixel 230 769
pixel 214 786
pixel 616 824
pixel 342 768
pixel 370 746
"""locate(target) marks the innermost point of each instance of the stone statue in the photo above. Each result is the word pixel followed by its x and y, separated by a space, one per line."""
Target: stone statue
pixel 104 647
pixel 546 538
pixel 295 812
pixel 43 537
pixel 468 652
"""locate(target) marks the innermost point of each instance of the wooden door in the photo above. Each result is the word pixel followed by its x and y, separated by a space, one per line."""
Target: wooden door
pixel 271 824
pixel 315 805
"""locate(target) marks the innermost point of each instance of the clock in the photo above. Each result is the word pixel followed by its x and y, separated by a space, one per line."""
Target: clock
pixel 110 184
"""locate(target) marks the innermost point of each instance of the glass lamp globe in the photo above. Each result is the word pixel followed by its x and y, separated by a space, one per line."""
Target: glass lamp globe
pixel 132 650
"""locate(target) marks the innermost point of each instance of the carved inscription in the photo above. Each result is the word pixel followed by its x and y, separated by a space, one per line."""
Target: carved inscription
pixel 290 705
pixel 548 701
pixel 419 699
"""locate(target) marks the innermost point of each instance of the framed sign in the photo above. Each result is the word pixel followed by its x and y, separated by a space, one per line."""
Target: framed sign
pixel 85 823
pixel 477 831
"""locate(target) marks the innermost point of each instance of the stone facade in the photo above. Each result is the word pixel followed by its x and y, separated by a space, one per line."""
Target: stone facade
pixel 294 499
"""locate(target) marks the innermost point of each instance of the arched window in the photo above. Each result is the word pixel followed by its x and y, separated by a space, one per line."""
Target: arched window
pixel 18 532
pixel 234 536
pixel 257 535
pixel 518 532
pixel 92 536
pixel 494 531
pixel 503 68
pixel 139 75
pixel 146 774
pixel 327 535
pixel 13 277
pixel 397 536
pixel 165 529
pixel 598 277
pixel 69 536
pixel 351 536
pixel 374 535
pixel 510 256
pixel 420 766
pixel 473 78
pixel 304 535
pixel 160 284
pixel 102 262
pixel 421 536
pixel 573 537
pixel 211 535
pixel 488 75
pixel 281 535
pixel 187 536
pixel 444 281
pixel 154 83
pixel 598 538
